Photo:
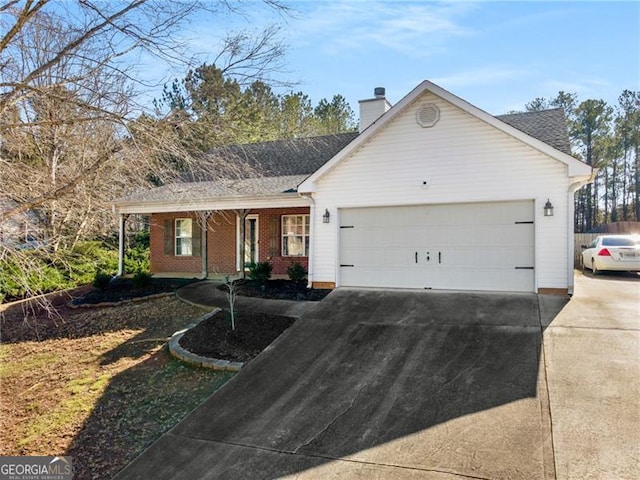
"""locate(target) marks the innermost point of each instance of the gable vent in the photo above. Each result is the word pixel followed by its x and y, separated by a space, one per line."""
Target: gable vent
pixel 428 116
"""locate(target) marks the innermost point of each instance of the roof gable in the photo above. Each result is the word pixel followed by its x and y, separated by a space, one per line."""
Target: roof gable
pixel 519 126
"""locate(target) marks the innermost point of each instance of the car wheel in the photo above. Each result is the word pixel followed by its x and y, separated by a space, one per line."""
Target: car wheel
pixel 594 269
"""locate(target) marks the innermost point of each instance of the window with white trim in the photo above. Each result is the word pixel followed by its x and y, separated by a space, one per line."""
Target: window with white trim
pixel 184 237
pixel 295 235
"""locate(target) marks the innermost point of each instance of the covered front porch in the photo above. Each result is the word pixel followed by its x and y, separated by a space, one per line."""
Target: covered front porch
pixel 214 229
pixel 216 244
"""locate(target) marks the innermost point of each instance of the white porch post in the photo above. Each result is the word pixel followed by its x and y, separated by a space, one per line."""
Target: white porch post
pixel 204 244
pixel 122 222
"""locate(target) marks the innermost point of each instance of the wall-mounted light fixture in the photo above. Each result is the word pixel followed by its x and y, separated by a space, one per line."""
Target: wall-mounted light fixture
pixel 548 209
pixel 326 217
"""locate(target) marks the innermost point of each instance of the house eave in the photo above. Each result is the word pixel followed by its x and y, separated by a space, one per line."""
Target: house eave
pixel 288 200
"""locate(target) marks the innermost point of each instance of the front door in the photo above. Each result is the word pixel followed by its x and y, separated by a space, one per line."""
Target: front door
pixel 251 239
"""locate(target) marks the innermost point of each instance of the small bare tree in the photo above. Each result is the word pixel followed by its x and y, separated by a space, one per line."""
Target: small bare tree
pixel 231 291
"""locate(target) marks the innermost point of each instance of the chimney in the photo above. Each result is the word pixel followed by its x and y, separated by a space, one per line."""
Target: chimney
pixel 373 108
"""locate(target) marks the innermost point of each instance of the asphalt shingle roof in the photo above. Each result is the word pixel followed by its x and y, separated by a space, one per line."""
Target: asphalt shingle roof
pixel 279 167
pixel 298 156
pixel 548 126
pixel 221 188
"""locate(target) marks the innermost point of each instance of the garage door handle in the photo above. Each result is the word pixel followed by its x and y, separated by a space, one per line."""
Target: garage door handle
pixel 416 257
pixel 439 257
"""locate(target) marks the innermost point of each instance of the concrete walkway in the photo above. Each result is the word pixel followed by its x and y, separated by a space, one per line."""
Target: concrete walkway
pixel 426 385
pixel 592 350
pixel 207 294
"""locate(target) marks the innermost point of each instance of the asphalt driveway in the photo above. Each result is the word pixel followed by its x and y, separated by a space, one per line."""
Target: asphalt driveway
pixel 423 385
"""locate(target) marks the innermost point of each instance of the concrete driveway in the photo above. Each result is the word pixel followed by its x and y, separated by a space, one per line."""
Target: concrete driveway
pixel 427 385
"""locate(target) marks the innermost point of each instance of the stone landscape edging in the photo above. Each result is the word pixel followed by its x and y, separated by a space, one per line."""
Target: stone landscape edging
pixel 193 359
pixel 120 302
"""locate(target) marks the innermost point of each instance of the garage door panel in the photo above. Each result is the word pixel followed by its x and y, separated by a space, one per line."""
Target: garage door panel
pixel 371 277
pixel 472 247
pixel 474 278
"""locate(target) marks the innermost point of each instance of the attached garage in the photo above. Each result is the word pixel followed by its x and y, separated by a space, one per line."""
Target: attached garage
pixel 438 194
pixel 475 246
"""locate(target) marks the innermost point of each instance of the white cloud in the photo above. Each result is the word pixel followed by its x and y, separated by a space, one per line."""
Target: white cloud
pixel 586 87
pixel 480 76
pixel 415 29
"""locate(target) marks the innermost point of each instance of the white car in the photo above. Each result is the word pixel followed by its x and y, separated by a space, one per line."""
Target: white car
pixel 612 252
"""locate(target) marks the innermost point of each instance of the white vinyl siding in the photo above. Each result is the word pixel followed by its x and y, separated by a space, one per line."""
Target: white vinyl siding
pixel 463 160
pixel 295 235
pixel 184 237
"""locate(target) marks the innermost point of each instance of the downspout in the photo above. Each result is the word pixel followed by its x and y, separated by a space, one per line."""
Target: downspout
pixel 312 238
pixel 204 245
pixel 573 188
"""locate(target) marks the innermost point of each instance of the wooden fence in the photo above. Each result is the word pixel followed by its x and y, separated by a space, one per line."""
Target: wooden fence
pixel 579 240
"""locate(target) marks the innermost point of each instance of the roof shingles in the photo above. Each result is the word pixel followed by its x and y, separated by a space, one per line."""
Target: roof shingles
pixel 548 126
pixel 277 168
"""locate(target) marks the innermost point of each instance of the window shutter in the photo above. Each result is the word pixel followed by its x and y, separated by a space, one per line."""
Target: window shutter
pixel 168 237
pixel 274 236
pixel 196 238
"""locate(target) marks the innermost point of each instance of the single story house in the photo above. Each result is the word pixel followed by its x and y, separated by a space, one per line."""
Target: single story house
pixel 431 193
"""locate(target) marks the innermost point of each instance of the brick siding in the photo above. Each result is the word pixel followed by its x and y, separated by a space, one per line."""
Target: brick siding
pixel 169 263
pixel 222 243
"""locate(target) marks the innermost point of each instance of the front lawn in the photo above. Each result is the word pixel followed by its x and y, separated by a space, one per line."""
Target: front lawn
pixel 96 384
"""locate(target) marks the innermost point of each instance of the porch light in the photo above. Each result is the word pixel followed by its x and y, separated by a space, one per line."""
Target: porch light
pixel 548 209
pixel 326 216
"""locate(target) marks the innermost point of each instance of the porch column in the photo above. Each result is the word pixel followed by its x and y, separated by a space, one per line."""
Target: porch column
pixel 122 220
pixel 204 242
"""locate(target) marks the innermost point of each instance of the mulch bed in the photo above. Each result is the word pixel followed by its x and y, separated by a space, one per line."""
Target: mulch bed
pixel 279 289
pixel 125 289
pixel 214 338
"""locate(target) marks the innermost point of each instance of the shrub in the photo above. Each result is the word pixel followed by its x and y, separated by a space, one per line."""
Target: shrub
pixel 260 271
pixel 140 240
pixel 296 272
pixel 141 279
pixel 136 258
pixel 102 280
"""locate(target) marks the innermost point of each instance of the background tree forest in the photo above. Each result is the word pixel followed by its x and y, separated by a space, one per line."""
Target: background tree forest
pixel 608 138
pixel 210 109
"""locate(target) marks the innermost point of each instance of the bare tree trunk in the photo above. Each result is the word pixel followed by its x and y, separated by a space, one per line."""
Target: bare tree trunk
pixel 606 195
pixel 625 179
pixel 637 182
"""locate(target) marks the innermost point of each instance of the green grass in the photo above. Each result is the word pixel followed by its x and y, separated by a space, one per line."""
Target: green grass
pixel 18 366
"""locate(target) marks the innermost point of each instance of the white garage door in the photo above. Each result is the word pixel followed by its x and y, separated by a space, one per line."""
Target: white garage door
pixel 480 246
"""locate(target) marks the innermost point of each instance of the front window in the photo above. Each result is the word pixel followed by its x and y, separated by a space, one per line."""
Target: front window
pixel 184 237
pixel 295 235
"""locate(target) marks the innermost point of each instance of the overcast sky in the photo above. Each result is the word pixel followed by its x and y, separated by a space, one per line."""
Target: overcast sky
pixel 496 55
